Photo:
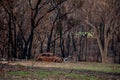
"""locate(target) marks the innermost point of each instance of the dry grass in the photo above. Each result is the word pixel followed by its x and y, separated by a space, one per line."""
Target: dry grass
pixel 59 71
pixel 67 65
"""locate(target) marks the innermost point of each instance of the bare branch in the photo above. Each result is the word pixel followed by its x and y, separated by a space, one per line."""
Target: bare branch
pixel 31 5
pixel 56 6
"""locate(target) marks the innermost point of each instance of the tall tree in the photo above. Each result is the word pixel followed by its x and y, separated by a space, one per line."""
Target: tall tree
pixel 104 20
pixel 9 7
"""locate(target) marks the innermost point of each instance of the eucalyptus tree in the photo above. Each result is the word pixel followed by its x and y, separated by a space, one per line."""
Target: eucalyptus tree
pixel 10 9
pixel 103 18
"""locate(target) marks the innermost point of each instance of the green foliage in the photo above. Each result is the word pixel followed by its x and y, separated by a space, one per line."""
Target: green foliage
pixel 88 34
pixel 43 73
pixel 72 75
pixel 81 77
pixel 20 73
pixel 99 67
pixel 56 75
pixel 84 77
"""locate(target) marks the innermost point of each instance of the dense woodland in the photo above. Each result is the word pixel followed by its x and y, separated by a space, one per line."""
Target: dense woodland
pixel 83 30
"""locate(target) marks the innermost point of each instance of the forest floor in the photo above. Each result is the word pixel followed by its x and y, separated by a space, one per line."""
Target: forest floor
pixel 32 70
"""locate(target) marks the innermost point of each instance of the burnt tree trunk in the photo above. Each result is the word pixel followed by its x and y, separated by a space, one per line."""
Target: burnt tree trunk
pixel 49 39
pixel 10 41
pixel 68 45
pixel 74 43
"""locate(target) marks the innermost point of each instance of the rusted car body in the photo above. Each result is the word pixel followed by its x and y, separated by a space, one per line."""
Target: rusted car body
pixel 48 57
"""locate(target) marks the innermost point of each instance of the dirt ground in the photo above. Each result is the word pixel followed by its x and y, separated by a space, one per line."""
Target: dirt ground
pixel 45 66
